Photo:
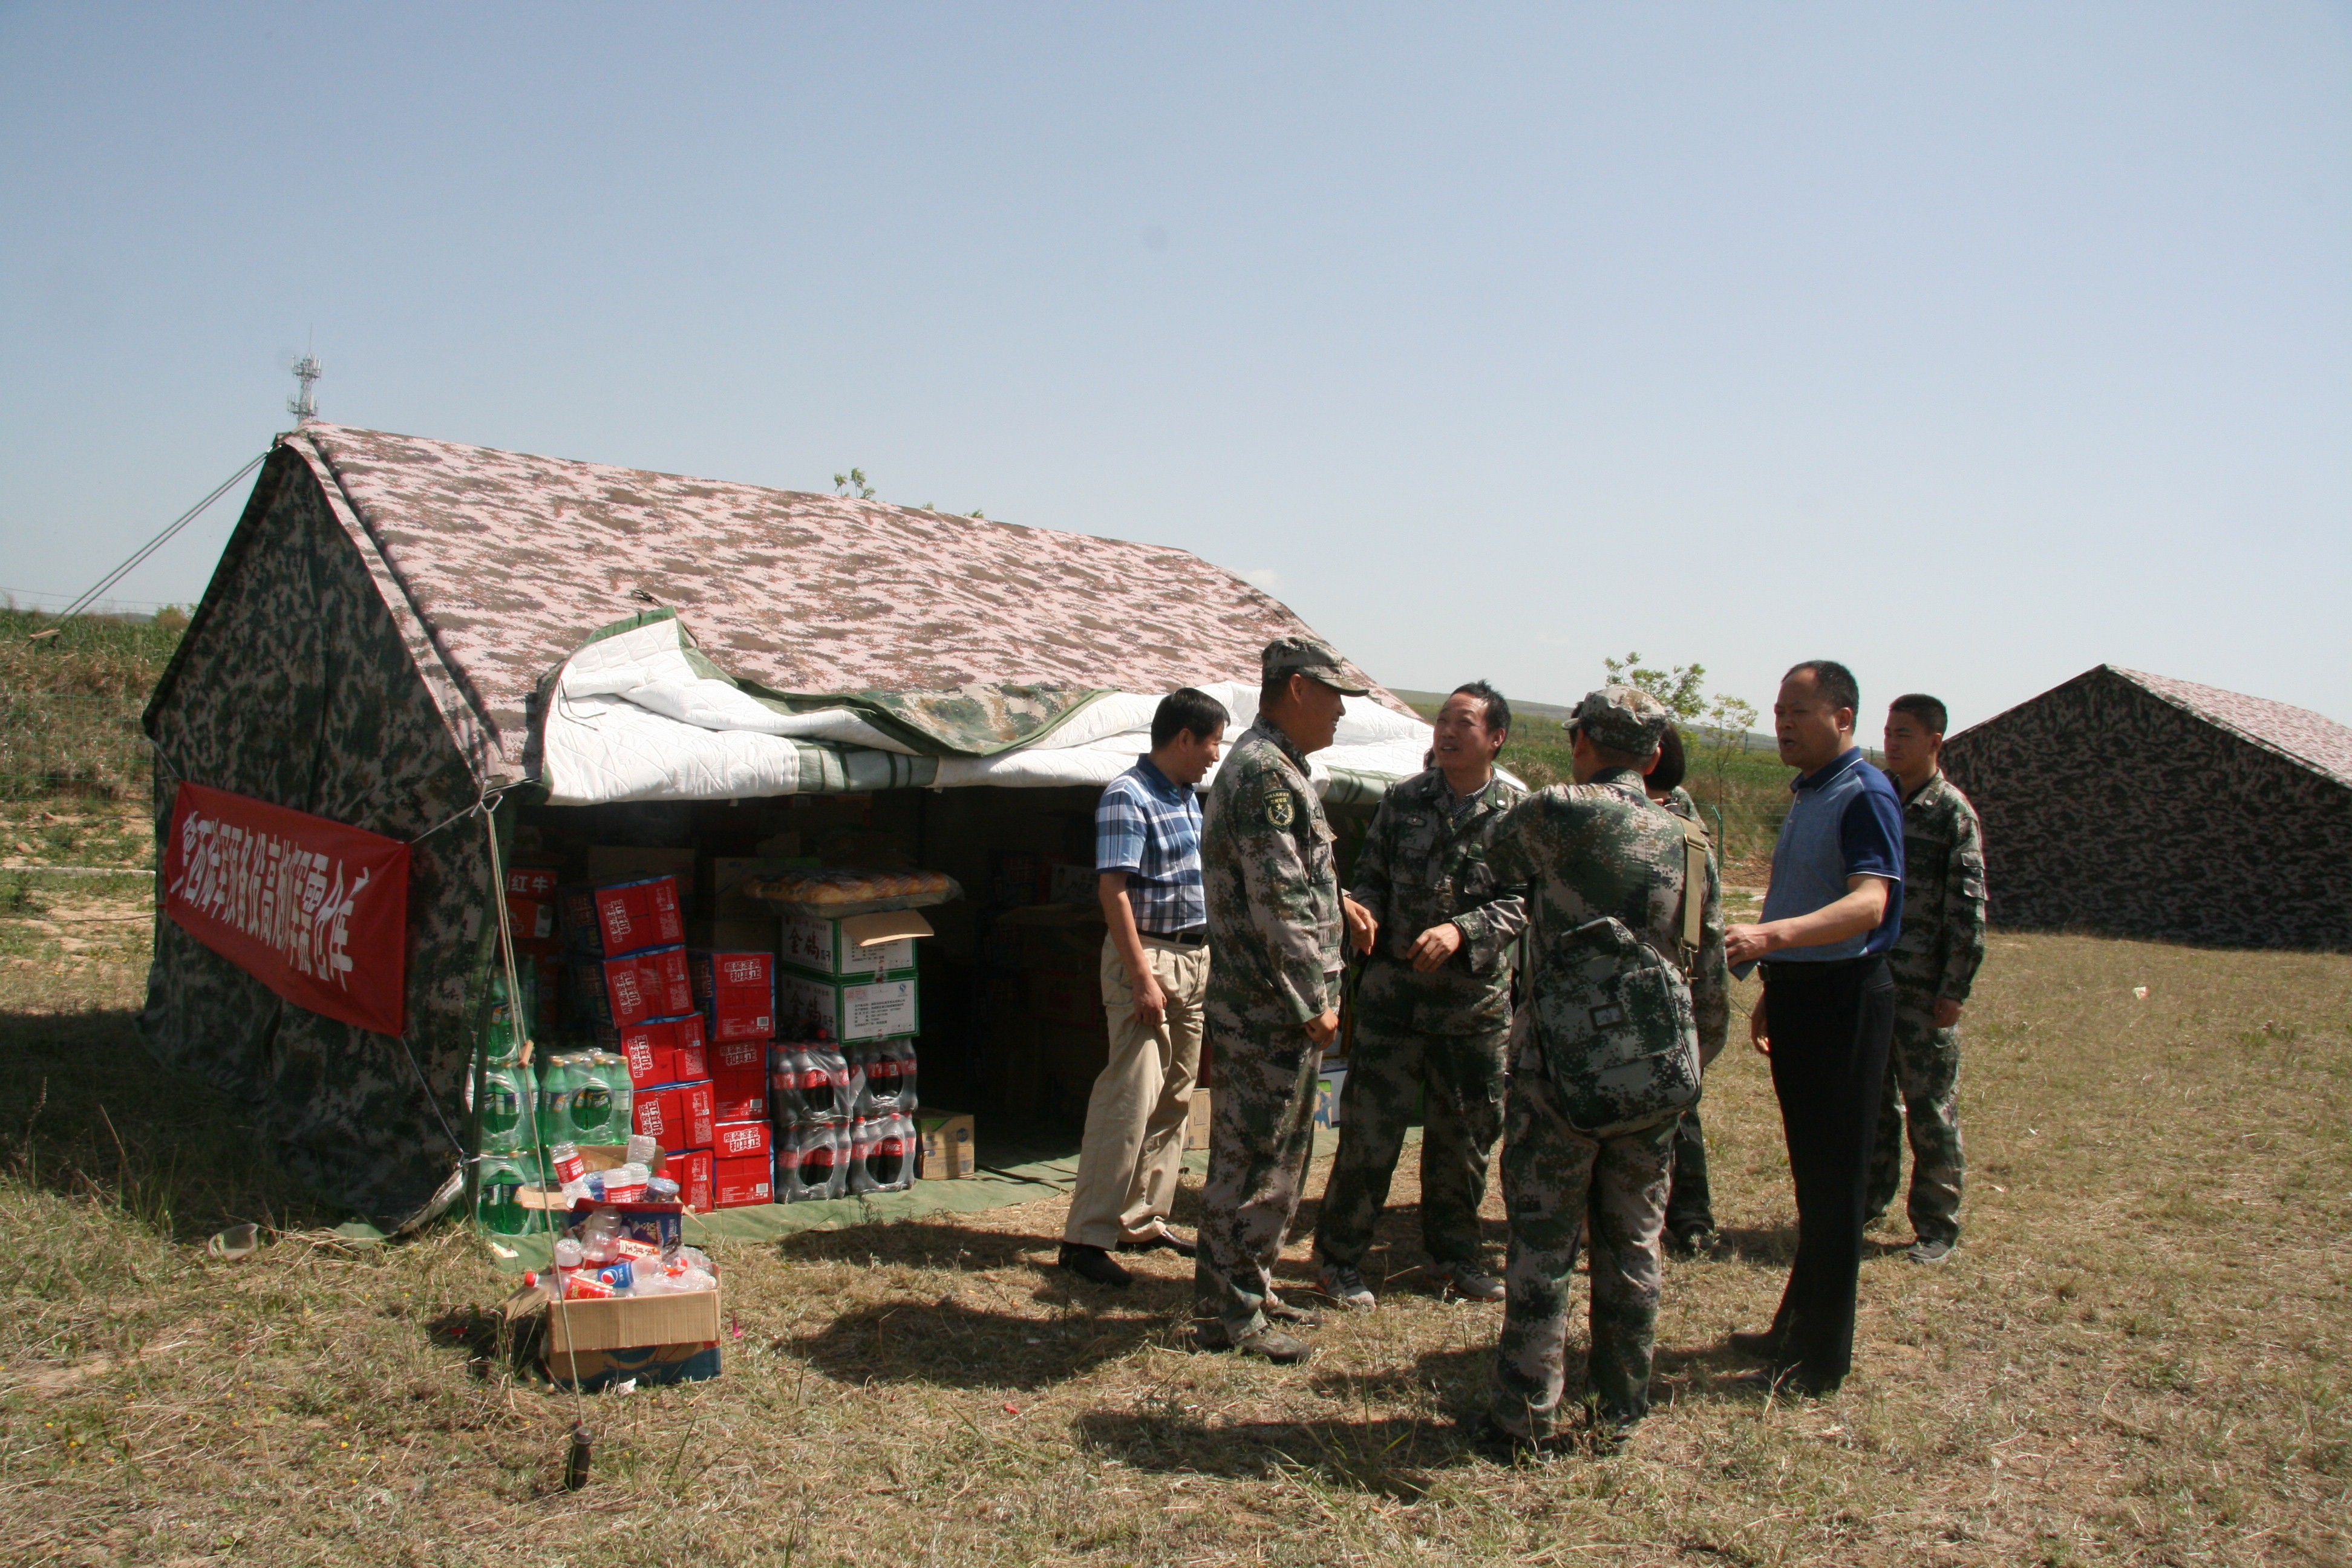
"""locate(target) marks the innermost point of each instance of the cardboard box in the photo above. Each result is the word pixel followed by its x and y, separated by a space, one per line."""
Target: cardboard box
pixel 618 992
pixel 1069 884
pixel 692 1057
pixel 696 1113
pixel 1196 1127
pixel 628 863
pixel 738 1056
pixel 735 992
pixel 691 1170
pixel 741 1139
pixel 654 1339
pixel 740 933
pixel 739 1184
pixel 653 1113
pixel 653 1050
pixel 728 874
pixel 739 1094
pixel 1071 997
pixel 863 946
pixel 945 1146
pixel 537 883
pixel 605 920
pixel 845 1012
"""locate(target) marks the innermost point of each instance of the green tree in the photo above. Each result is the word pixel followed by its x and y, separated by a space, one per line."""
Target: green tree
pixel 1681 688
pixel 854 480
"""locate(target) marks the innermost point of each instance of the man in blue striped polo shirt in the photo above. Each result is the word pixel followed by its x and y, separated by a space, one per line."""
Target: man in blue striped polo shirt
pixel 1155 970
pixel 1827 1017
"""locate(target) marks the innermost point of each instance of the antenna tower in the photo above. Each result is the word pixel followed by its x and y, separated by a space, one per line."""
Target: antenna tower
pixel 304 404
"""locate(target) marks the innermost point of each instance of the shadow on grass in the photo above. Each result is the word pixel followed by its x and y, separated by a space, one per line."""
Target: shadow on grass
pixel 85 1113
pixel 1394 1457
pixel 951 1344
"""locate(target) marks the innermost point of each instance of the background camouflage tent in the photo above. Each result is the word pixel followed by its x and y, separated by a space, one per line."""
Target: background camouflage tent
pixel 381 639
pixel 2138 805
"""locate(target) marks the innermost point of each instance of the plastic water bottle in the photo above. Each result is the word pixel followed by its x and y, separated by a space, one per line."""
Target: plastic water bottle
pixel 507 1110
pixel 501 1041
pixel 499 1208
pixel 570 1173
pixel 642 1149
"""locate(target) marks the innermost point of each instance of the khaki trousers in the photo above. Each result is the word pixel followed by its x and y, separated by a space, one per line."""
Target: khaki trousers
pixel 1142 1102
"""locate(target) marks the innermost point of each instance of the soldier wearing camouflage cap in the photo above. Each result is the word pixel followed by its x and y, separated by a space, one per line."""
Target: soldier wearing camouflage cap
pixel 1276 918
pixel 1626 990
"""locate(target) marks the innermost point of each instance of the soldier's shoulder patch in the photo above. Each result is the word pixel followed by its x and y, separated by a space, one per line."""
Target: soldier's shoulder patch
pixel 1281 809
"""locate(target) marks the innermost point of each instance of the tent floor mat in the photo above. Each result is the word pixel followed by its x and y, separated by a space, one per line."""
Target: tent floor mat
pixel 991 1187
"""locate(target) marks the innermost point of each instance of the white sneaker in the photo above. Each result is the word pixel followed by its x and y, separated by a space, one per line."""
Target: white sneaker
pixel 1347 1287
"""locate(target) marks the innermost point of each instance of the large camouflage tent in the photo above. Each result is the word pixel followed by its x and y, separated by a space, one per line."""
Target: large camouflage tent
pixel 401 629
pixel 2139 805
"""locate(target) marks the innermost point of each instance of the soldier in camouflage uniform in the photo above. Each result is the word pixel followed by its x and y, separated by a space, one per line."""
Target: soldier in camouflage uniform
pixel 1935 962
pixel 1605 1050
pixel 1432 1007
pixel 1276 916
pixel 1690 1199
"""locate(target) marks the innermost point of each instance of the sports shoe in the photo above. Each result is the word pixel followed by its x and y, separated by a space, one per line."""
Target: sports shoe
pixel 1466 1280
pixel 1272 1344
pixel 1093 1263
pixel 1930 1251
pixel 1344 1285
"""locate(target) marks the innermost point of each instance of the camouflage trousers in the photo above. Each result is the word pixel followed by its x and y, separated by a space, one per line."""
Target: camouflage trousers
pixel 1551 1175
pixel 1387 1066
pixel 1922 1100
pixel 1261 1128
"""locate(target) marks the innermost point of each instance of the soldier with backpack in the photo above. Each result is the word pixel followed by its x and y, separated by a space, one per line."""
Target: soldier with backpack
pixel 1626 991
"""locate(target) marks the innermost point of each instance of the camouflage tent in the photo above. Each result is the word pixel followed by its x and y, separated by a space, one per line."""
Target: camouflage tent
pixel 2138 805
pixel 400 629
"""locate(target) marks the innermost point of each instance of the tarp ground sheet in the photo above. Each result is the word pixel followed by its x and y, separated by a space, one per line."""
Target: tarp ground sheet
pixel 995 1187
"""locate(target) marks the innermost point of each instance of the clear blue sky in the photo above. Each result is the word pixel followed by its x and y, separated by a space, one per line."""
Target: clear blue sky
pixel 1975 345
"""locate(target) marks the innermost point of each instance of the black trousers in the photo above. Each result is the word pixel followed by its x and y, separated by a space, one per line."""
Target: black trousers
pixel 1830 1025
pixel 1690 1202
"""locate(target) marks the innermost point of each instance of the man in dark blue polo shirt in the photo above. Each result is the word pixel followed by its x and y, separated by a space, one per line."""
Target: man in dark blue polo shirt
pixel 1827 1015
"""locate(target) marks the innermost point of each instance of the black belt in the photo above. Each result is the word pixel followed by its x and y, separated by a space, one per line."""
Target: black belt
pixel 1193 938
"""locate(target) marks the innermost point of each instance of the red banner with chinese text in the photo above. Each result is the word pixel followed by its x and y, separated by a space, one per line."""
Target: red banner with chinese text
pixel 316 911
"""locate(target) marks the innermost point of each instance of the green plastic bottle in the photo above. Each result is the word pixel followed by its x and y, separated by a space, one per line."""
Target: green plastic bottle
pixel 498 1203
pixel 509 1110
pixel 556 1080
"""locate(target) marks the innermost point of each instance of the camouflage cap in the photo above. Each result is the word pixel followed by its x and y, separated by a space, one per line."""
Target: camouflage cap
pixel 1310 657
pixel 1622 719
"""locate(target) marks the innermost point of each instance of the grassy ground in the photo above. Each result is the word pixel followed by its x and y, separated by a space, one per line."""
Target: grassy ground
pixel 2138 1355
pixel 75 770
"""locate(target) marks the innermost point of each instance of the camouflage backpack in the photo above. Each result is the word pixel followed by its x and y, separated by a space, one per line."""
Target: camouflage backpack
pixel 1614 1021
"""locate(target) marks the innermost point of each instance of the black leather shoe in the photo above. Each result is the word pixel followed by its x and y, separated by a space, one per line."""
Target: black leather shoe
pixel 1093 1263
pixel 1764 1345
pixel 1163 1240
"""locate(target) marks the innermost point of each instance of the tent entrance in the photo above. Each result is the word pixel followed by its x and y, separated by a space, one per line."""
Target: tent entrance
pixel 1012 1027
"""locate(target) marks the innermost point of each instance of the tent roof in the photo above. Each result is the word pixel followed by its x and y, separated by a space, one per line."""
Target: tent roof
pixel 2309 739
pixel 510 561
pixel 2315 740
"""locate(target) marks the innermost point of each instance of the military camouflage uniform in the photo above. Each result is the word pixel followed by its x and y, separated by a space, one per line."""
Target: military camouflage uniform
pixel 1690 1200
pixel 1588 852
pixel 1272 893
pixel 1423 863
pixel 1935 957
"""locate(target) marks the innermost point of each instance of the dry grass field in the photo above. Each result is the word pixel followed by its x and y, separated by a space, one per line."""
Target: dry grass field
pixel 2138 1355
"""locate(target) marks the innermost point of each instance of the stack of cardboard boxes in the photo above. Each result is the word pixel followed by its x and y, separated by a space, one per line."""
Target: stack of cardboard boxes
pixel 844 1066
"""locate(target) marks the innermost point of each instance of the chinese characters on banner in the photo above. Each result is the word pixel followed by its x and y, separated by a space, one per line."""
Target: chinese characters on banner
pixel 314 910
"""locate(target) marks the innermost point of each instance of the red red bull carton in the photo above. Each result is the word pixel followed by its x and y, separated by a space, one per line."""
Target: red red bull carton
pixel 738 1184
pixel 622 916
pixel 741 1140
pixel 736 992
